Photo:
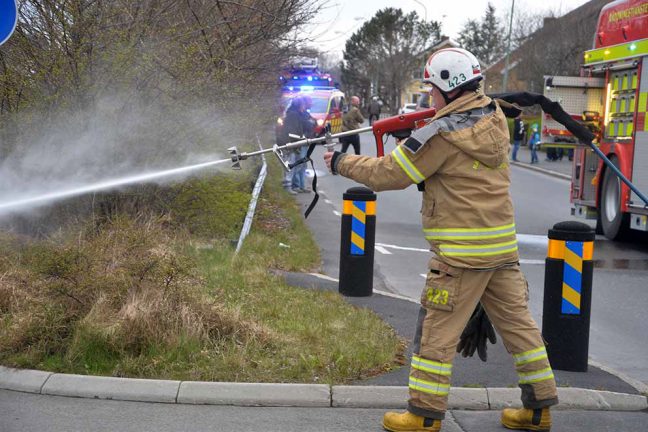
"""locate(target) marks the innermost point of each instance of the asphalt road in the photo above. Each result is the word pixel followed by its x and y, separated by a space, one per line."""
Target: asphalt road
pixel 21 412
pixel 618 338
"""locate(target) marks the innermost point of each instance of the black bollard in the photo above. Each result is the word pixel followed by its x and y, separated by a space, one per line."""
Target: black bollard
pixel 568 295
pixel 357 243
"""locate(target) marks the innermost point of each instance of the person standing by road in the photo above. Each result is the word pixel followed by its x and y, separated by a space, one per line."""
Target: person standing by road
pixel 468 218
pixel 518 136
pixel 293 125
pixel 352 120
pixel 374 110
pixel 534 141
pixel 308 128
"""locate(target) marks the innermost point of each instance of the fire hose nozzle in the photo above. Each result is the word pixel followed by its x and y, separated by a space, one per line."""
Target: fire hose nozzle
pixel 236 157
pixel 277 151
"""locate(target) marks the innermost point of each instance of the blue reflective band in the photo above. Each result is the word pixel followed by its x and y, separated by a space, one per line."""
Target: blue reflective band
pixel 568 308
pixel 576 247
pixel 358 227
pixel 572 278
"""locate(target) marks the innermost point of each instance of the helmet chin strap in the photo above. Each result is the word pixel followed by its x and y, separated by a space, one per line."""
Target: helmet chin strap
pixel 471 86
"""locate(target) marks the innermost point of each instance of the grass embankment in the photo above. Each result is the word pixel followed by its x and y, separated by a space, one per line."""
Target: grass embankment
pixel 164 297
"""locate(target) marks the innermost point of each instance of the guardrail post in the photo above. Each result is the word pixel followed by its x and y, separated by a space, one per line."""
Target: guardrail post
pixel 357 242
pixel 568 295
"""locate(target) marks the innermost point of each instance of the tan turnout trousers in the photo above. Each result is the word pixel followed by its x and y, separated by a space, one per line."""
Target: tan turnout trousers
pixel 448 300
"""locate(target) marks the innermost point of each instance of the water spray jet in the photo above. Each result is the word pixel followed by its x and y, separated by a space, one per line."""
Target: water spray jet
pixel 102 186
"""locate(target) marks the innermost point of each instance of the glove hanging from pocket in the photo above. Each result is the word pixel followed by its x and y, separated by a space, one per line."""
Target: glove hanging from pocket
pixel 478 330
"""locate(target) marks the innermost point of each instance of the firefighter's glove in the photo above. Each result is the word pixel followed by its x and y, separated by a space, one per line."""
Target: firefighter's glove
pixel 478 330
pixel 335 159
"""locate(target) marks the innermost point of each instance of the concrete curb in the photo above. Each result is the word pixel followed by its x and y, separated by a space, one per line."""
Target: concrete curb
pixel 291 395
pixel 542 170
pixel 251 394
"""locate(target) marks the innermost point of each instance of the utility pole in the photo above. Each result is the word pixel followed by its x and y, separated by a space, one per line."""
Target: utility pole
pixel 508 49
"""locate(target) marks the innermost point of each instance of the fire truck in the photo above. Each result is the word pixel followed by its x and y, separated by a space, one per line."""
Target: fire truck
pixel 611 98
pixel 303 78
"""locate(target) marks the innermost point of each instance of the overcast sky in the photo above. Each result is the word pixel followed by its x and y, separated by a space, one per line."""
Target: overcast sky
pixel 340 18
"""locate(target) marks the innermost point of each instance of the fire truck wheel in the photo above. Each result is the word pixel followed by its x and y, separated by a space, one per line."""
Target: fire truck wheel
pixel 614 223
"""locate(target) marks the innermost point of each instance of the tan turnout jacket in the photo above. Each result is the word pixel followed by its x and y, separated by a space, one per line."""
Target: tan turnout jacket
pixel 461 156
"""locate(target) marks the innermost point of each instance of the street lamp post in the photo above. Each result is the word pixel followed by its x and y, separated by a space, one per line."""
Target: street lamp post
pixel 508 49
pixel 424 8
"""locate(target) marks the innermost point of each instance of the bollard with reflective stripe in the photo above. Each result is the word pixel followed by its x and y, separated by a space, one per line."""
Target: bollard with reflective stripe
pixel 568 295
pixel 357 242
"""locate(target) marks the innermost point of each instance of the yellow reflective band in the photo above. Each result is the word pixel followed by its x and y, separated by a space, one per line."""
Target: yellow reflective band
pixel 556 249
pixel 574 260
pixel 437 368
pixel 530 356
pixel 617 52
pixel 479 250
pixel 357 240
pixel 403 161
pixel 371 208
pixel 469 233
pixel 347 208
pixel 429 387
pixel 588 251
pixel 537 376
pixel 643 98
pixel 571 295
pixel 358 214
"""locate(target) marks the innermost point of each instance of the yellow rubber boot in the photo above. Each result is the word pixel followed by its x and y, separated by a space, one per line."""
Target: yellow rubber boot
pixel 527 419
pixel 408 422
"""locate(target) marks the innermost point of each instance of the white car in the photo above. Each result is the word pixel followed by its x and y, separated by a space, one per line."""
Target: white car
pixel 407 108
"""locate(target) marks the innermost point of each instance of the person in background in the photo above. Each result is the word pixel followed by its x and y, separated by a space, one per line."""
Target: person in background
pixel 308 130
pixel 293 125
pixel 352 121
pixel 374 110
pixel 534 140
pixel 518 136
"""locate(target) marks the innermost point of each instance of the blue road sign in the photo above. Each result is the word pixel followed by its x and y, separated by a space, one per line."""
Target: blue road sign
pixel 8 19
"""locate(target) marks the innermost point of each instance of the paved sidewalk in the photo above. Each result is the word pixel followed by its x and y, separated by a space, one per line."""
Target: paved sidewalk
pixel 561 168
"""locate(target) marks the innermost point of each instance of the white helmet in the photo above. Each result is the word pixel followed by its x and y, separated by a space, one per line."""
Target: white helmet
pixel 451 68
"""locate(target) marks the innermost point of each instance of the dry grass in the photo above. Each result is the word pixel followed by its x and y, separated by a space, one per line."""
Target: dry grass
pixel 132 296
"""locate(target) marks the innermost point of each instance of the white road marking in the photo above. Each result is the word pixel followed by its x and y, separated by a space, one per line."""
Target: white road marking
pixel 397 296
pixel 532 261
pixel 423 275
pixel 402 248
pixel 328 201
pixel 321 192
pixel 533 239
pixel 382 250
pixel 337 213
pixel 383 293
pixel 325 277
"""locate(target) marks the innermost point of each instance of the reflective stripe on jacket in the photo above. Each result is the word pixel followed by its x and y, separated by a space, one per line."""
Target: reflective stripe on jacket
pixel 461 155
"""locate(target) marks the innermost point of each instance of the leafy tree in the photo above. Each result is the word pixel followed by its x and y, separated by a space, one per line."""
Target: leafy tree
pixel 387 51
pixel 484 38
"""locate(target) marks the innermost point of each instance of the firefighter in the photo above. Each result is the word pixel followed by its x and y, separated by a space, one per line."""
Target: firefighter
pixel 459 161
